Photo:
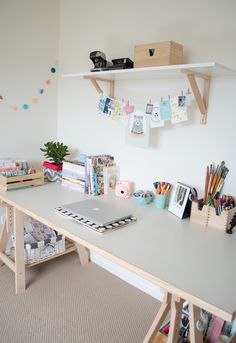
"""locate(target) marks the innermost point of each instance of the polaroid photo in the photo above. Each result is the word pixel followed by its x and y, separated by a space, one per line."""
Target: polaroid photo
pixel 182 101
pixel 149 109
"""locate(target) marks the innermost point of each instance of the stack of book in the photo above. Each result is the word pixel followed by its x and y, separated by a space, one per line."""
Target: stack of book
pixel 94 173
pixel 10 167
pixel 73 175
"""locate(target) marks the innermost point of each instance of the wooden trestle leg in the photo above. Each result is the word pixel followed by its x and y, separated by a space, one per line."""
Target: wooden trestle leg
pixel 3 240
pixel 161 316
pixel 194 315
pixel 83 254
pixel 19 252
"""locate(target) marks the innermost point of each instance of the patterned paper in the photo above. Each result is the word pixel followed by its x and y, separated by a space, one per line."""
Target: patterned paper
pixel 108 106
pixel 165 110
pixel 179 113
pixel 118 110
pixel 155 116
pixel 111 108
pixel 137 132
pixel 189 98
pixel 128 108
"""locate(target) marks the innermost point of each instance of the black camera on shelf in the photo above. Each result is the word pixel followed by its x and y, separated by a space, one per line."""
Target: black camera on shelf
pixel 99 61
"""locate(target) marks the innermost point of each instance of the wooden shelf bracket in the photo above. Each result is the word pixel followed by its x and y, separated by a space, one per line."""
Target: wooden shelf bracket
pixel 98 88
pixel 202 100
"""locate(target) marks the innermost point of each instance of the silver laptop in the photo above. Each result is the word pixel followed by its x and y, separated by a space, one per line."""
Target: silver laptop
pixel 96 211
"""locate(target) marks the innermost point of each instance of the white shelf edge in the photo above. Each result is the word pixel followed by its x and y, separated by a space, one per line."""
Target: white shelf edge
pixel 210 66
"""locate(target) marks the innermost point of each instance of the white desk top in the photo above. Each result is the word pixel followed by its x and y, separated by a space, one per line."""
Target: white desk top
pixel 192 261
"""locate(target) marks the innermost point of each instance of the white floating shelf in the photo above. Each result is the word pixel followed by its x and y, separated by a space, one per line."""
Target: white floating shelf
pixel 204 71
pixel 171 71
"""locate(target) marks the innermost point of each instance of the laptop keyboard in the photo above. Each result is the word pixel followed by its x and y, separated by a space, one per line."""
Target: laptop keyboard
pixel 93 226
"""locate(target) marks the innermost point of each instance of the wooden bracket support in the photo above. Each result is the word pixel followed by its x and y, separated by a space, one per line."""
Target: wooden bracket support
pixel 95 80
pixel 202 100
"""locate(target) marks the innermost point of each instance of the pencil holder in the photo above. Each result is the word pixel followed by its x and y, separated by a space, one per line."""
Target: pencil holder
pixel 223 221
pixel 199 216
pixel 161 201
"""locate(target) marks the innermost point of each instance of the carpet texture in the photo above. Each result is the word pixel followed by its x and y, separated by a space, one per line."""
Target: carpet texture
pixel 67 303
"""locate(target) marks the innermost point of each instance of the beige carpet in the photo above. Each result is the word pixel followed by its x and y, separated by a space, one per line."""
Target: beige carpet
pixel 68 303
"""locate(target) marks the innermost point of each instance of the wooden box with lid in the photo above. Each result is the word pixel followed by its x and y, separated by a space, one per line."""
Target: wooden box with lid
pixel 158 54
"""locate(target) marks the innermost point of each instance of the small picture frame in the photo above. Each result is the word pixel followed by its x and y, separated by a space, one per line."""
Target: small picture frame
pixel 180 205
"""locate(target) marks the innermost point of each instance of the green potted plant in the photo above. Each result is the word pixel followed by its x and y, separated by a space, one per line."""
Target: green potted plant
pixel 55 152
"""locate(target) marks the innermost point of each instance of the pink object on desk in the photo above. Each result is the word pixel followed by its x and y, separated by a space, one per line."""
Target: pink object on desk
pixel 124 189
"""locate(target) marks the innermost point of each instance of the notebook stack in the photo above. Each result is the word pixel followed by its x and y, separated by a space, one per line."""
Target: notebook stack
pixel 73 175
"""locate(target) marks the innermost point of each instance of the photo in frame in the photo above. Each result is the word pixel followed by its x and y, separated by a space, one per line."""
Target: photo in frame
pixel 180 205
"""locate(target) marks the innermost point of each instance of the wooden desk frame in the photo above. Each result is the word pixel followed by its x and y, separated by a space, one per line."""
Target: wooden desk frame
pixel 173 301
pixel 14 222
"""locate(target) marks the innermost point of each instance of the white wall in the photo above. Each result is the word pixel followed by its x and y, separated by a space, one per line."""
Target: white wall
pixel 29 48
pixel 207 30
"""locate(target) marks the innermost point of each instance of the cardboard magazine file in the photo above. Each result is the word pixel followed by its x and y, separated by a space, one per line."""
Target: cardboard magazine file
pixel 199 216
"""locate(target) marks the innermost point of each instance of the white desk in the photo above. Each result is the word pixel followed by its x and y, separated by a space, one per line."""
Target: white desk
pixel 188 261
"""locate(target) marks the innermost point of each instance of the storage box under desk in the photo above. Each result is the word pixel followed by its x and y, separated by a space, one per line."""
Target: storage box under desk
pixel 158 54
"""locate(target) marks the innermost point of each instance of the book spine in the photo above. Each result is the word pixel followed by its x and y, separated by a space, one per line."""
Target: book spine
pixel 88 186
pixel 73 175
pixel 78 167
pixel 76 182
pixel 13 173
pixel 73 186
pixel 12 169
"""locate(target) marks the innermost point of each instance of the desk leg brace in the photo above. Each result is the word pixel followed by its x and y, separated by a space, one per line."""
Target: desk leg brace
pixel 161 316
pixel 194 315
pixel 19 251
pixel 175 318
pixel 7 228
pixel 175 304
pixel 3 240
pixel 83 254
